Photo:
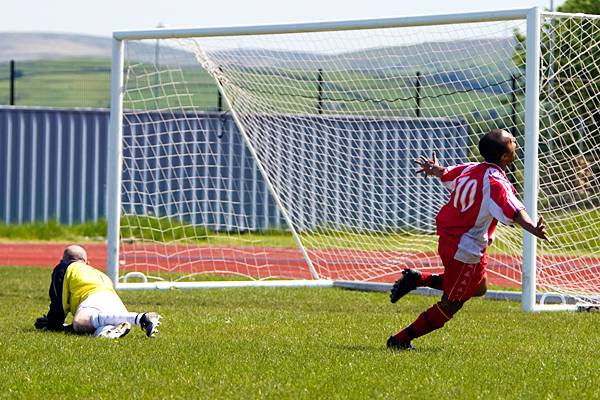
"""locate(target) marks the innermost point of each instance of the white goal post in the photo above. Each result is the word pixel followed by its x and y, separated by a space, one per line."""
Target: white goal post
pixel 301 173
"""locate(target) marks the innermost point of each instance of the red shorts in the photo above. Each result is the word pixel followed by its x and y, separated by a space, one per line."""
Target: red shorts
pixel 461 280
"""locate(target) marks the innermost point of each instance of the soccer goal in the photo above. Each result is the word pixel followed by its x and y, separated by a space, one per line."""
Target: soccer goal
pixel 299 169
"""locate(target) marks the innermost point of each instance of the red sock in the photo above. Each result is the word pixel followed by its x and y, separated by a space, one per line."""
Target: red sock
pixel 434 318
pixel 434 281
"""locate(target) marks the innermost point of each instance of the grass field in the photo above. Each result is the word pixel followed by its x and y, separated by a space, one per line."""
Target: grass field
pixel 295 343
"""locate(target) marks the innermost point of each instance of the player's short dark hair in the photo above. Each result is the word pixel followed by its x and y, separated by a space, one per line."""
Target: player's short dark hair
pixel 492 145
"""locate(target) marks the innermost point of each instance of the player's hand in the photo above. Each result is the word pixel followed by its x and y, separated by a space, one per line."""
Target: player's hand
pixel 41 323
pixel 429 167
pixel 540 230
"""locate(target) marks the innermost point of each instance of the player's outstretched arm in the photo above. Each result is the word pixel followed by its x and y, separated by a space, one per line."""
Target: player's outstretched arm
pixel 429 167
pixel 539 230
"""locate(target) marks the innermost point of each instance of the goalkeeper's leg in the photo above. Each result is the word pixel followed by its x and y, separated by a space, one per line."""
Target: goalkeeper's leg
pixel 113 331
pixel 105 311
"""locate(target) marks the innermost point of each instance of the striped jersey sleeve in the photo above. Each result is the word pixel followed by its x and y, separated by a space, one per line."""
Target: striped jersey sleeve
pixel 450 174
pixel 504 203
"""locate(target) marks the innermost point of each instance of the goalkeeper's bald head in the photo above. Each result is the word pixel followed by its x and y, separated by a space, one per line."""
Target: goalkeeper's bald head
pixel 74 253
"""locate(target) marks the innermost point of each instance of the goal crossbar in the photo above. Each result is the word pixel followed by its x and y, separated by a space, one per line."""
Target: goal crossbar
pixel 326 26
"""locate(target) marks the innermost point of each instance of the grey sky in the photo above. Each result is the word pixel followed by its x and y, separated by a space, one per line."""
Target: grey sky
pixel 102 17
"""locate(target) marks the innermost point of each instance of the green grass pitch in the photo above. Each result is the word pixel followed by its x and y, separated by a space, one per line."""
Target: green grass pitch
pixel 295 343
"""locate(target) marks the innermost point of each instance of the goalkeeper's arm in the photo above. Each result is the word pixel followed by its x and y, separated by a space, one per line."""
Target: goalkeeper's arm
pixel 45 324
pixel 57 313
pixel 42 323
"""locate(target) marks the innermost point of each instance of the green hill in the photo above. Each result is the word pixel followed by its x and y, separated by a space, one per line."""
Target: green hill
pixel 79 83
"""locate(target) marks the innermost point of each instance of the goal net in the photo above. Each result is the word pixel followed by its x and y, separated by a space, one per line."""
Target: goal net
pixel 301 164
pixel 569 147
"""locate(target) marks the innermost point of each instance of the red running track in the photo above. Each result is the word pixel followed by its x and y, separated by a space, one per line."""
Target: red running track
pixel 280 262
pixel 257 262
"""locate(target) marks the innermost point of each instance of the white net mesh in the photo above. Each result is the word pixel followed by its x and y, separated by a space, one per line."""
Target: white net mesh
pixel 569 151
pixel 335 121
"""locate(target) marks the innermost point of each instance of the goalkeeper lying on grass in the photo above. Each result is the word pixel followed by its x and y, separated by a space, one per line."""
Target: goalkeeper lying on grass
pixel 481 196
pixel 89 295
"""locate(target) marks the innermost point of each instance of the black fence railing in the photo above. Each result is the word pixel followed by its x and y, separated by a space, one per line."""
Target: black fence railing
pixel 76 84
pixel 85 83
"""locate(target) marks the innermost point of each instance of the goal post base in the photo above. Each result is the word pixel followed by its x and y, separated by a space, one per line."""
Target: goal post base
pixel 546 301
pixel 554 307
pixel 165 285
pixel 588 308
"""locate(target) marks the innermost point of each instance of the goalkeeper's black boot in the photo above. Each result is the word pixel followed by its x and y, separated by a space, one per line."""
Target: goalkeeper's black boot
pixel 405 284
pixel 394 345
pixel 149 322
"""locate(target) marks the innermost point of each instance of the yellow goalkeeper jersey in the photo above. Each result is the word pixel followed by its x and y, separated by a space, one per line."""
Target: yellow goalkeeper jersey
pixel 72 283
pixel 81 280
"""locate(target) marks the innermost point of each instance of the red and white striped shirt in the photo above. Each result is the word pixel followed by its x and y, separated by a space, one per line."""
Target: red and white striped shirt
pixel 481 196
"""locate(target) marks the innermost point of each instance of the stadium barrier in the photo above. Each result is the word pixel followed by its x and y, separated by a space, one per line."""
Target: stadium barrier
pixel 53 166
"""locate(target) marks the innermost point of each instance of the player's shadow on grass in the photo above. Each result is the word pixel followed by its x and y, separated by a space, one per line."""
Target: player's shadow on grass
pixel 358 348
pixel 361 348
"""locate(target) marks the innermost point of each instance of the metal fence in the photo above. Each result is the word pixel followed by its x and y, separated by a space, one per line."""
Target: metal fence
pixel 53 165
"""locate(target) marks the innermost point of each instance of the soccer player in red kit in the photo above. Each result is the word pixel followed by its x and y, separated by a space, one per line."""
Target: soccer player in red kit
pixel 481 196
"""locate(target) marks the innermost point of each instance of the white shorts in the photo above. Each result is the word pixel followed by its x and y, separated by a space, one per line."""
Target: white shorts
pixel 104 302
